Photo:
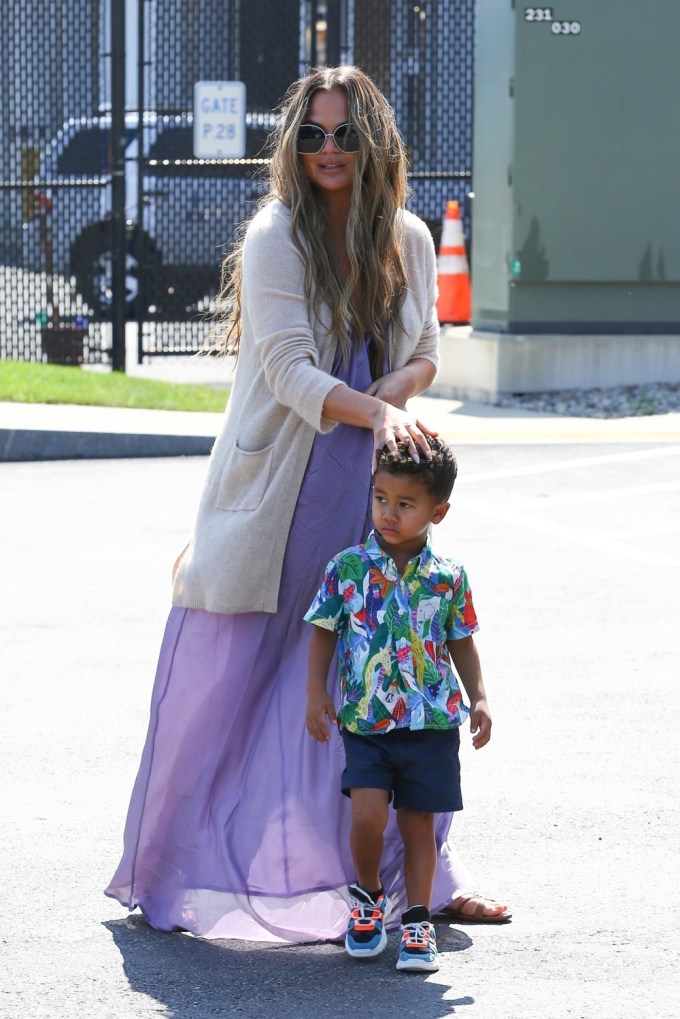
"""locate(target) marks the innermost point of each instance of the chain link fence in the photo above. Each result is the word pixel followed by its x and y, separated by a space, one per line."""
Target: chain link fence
pixel 56 252
pixel 50 79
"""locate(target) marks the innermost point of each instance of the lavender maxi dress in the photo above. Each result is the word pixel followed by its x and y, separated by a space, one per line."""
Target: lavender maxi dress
pixel 237 827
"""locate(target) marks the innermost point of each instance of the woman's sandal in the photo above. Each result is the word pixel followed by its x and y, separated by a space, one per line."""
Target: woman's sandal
pixel 481 912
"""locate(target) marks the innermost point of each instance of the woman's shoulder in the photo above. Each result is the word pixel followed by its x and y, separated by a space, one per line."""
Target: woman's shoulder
pixel 414 227
pixel 273 217
pixel 269 231
pixel 417 245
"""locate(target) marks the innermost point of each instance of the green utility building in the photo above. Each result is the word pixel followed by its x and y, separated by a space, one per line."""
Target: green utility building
pixel 576 213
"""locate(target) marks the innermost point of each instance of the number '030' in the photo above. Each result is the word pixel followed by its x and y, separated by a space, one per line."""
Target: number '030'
pixel 566 28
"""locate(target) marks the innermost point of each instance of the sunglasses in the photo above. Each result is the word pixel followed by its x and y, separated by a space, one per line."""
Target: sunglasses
pixel 312 138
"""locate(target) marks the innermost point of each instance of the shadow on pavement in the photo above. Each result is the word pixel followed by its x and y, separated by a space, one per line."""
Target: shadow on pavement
pixel 201 979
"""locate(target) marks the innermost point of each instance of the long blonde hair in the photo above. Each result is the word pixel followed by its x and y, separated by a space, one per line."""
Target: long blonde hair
pixel 373 228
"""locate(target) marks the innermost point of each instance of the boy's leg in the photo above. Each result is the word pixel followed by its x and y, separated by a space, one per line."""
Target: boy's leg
pixel 420 854
pixel 366 936
pixel 369 820
pixel 418 948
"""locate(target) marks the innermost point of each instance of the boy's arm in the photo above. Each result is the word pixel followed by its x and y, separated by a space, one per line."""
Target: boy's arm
pixel 320 707
pixel 466 663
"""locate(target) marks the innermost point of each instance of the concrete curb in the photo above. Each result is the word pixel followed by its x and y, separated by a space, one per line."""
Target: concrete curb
pixel 30 432
pixel 29 445
pixel 70 432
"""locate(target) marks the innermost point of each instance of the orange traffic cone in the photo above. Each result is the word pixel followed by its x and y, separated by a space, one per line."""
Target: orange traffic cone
pixel 453 273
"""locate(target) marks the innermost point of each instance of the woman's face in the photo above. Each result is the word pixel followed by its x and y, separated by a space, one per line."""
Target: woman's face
pixel 331 170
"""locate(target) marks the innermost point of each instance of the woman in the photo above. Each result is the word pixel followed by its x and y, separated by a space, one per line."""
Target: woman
pixel 236 827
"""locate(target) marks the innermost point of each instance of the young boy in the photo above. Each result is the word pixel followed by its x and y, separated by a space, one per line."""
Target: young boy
pixel 401 615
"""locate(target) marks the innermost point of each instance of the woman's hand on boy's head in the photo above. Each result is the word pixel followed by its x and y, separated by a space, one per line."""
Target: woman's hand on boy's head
pixel 320 712
pixel 480 724
pixel 392 426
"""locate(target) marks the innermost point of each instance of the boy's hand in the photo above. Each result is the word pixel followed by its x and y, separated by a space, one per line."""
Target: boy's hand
pixel 320 711
pixel 480 724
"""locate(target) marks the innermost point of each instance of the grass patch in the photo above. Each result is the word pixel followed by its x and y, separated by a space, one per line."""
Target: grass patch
pixel 644 407
pixel 26 382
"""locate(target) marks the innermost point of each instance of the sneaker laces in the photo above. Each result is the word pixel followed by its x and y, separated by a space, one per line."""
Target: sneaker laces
pixel 365 915
pixel 418 934
pixel 365 912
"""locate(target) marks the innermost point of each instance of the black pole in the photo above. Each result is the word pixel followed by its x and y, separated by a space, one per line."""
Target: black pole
pixel 142 274
pixel 118 238
pixel 313 14
pixel 333 32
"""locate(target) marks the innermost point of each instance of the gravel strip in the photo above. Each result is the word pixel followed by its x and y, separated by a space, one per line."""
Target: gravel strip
pixel 611 402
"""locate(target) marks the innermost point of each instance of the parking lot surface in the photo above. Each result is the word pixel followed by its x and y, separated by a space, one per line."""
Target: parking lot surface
pixel 571 811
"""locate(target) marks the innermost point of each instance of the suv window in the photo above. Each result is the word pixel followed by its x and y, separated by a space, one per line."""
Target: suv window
pixel 88 152
pixel 174 143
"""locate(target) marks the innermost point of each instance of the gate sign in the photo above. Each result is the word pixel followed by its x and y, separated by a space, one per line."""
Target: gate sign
pixel 219 120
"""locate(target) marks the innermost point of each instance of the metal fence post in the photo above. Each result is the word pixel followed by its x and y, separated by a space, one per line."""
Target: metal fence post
pixel 118 238
pixel 140 255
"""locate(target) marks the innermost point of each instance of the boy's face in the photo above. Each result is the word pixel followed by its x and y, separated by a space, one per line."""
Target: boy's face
pixel 403 509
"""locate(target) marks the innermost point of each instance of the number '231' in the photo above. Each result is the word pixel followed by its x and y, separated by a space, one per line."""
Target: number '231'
pixel 538 14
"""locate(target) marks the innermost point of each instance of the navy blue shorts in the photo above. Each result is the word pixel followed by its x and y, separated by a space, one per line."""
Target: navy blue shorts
pixel 419 768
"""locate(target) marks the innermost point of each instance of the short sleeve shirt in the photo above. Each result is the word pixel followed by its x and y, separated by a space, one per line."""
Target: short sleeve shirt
pixel 395 671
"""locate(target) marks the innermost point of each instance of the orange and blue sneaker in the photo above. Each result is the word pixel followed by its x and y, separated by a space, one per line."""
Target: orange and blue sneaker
pixel 418 948
pixel 366 935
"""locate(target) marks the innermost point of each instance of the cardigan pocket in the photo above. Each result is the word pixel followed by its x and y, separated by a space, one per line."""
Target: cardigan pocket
pixel 245 478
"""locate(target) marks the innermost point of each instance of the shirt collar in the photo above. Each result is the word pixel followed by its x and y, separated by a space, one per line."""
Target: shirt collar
pixel 385 562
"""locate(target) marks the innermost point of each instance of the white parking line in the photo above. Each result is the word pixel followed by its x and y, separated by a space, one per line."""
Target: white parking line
pixel 619 549
pixel 615 544
pixel 635 532
pixel 585 498
pixel 555 464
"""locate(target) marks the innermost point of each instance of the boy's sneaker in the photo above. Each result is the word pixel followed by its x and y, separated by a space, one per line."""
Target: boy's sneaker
pixel 418 948
pixel 366 936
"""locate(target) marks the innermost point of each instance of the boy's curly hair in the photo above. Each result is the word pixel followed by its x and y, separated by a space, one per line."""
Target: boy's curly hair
pixel 437 473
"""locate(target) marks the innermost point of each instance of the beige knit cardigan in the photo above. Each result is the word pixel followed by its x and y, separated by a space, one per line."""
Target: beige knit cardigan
pixel 234 558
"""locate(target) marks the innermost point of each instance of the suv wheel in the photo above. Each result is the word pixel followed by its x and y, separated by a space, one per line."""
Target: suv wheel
pixel 92 266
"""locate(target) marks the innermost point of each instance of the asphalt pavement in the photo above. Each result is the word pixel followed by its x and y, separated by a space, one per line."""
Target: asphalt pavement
pixel 570 531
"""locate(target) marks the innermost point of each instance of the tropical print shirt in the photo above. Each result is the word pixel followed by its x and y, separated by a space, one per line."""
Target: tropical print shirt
pixel 395 671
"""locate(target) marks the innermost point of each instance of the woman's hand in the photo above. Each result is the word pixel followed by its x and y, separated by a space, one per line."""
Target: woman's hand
pixel 394 388
pixel 382 408
pixel 391 425
pixel 397 386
